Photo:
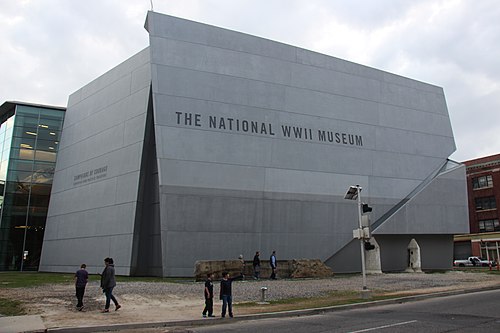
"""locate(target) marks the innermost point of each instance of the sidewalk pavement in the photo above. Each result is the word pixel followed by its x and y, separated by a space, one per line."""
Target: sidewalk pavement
pixel 34 323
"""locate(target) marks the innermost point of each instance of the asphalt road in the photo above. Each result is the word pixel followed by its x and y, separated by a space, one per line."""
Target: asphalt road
pixel 475 312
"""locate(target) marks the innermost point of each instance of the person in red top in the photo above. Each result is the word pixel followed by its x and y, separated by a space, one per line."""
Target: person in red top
pixel 81 279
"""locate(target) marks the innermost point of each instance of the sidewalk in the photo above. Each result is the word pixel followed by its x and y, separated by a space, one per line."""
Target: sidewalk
pixel 18 324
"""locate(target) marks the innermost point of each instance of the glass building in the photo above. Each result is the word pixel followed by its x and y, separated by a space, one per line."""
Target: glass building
pixel 29 138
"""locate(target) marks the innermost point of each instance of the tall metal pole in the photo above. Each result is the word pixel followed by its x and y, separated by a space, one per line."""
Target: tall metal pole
pixel 361 240
pixel 498 254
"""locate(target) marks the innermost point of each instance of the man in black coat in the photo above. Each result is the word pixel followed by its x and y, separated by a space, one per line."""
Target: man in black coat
pixel 226 293
pixel 256 265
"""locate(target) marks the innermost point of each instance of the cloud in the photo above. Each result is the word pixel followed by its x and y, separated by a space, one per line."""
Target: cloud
pixel 51 48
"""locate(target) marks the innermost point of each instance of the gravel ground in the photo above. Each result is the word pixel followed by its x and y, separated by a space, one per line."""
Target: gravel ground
pixel 162 301
pixel 250 290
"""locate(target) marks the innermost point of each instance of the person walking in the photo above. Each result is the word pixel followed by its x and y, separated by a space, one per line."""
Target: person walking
pixel 81 279
pixel 209 296
pixel 256 265
pixel 226 293
pixel 274 265
pixel 108 282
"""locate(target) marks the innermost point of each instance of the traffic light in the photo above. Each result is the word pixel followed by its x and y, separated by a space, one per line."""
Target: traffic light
pixel 369 246
pixel 366 208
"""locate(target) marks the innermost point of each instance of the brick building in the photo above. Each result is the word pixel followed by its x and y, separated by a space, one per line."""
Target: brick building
pixel 483 188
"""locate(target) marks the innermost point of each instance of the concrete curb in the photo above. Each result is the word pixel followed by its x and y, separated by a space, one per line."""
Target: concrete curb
pixel 281 314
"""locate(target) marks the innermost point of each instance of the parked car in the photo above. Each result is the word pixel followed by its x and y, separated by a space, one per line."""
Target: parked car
pixel 473 261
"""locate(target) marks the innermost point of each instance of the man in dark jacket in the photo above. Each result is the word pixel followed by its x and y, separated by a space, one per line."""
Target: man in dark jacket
pixel 226 293
pixel 256 265
pixel 81 278
pixel 108 282
pixel 209 296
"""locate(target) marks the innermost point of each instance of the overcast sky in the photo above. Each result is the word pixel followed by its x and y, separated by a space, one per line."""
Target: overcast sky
pixel 50 48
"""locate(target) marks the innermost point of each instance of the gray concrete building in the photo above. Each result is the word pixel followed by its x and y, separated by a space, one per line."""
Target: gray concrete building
pixel 210 143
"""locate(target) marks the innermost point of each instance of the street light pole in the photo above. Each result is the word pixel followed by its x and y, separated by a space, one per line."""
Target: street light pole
pixel 361 240
pixel 353 193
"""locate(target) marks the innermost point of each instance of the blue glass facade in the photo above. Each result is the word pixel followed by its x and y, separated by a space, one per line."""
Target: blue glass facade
pixel 29 138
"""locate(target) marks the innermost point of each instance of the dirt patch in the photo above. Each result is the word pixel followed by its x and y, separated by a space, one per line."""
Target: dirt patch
pixel 56 305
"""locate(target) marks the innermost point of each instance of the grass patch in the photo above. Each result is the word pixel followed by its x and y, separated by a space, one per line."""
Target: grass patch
pixel 333 299
pixel 33 279
pixel 11 308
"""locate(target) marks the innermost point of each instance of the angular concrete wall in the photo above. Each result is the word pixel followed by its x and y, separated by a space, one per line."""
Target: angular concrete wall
pixel 321 125
pixel 94 196
pixel 246 144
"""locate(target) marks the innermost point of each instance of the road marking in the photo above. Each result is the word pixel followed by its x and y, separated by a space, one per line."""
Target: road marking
pixel 385 326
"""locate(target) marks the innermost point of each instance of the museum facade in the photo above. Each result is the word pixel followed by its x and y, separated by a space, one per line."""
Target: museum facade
pixel 210 143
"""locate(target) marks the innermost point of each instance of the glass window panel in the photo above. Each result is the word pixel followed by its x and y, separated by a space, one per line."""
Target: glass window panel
pixel 21 165
pixel 26 120
pixel 481 182
pixel 50 124
pixel 49 146
pixel 20 176
pixel 16 199
pixel 485 203
pixel 27 110
pixel 16 187
pixel 25 142
pixel 41 189
pixel 43 177
pixel 46 156
pixel 45 166
pixel 489 225
pixel 52 114
pixel 10 122
pixel 9 131
pixel 49 135
pixel 25 132
pixel 39 201
pixel 6 154
pixel 19 213
pixel 22 154
pixel 37 212
pixel 3 169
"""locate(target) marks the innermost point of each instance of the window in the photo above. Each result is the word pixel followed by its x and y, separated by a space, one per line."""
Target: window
pixel 486 203
pixel 489 225
pixel 483 181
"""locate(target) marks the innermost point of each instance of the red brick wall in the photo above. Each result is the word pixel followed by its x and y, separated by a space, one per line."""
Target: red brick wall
pixel 489 165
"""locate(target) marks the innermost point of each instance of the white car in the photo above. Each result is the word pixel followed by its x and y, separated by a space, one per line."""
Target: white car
pixel 473 261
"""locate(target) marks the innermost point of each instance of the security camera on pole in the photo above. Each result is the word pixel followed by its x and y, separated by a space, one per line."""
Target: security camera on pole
pixel 363 232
